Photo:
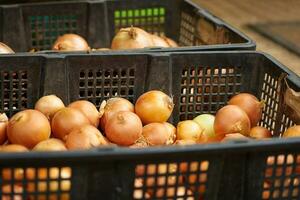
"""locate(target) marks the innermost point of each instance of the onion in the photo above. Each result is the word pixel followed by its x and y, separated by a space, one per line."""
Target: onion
pixel 192 176
pixel 140 143
pixel 234 136
pixel 49 105
pixel 204 139
pixel 28 128
pixel 66 120
pixel 4 49
pixel 293 131
pixel 13 148
pixel 55 181
pixel 206 122
pixel 185 142
pixel 154 106
pixel 170 42
pixel 88 109
pixel 85 137
pixel 231 119
pixel 280 161
pixel 124 128
pixel 51 144
pixel 250 105
pixel 3 126
pixel 172 133
pixel 131 38
pixel 12 192
pixel 112 106
pixel 159 42
pixel 70 42
pixel 188 130
pixel 259 132
pixel 156 134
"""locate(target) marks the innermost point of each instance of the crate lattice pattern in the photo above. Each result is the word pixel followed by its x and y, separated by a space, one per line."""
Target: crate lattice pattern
pixel 282 177
pixel 13 85
pixel 185 180
pixel 46 29
pixel 150 19
pixel 187 29
pixel 206 89
pixel 97 85
pixel 35 183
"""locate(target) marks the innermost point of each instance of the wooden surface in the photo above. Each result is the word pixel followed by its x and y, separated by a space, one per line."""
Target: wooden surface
pixel 240 13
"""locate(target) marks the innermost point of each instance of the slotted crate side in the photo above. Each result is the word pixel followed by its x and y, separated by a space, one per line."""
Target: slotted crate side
pixel 99 77
pixel 39 24
pixel 21 80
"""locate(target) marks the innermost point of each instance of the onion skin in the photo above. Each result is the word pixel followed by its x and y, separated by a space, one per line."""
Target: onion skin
pixel 28 128
pixel 156 134
pixel 293 131
pixel 70 42
pixel 250 105
pixel 51 144
pixel 124 128
pixel 88 109
pixel 131 38
pixel 172 133
pixel 259 132
pixel 85 137
pixel 170 42
pixel 204 139
pixel 3 126
pixel 185 142
pixel 206 122
pixel 49 105
pixel 159 42
pixel 112 106
pixel 188 130
pixel 232 119
pixel 154 106
pixel 234 136
pixel 4 49
pixel 66 120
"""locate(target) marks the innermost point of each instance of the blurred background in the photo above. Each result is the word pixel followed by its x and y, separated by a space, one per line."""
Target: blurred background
pixel 273 24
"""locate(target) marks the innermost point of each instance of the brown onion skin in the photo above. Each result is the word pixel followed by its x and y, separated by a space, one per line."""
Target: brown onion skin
pixel 159 42
pixel 88 109
pixel 3 126
pixel 124 128
pixel 4 49
pixel 156 134
pixel 112 106
pixel 131 38
pixel 70 42
pixel 232 119
pixel 51 144
pixel 259 132
pixel 49 105
pixel 188 130
pixel 13 148
pixel 250 105
pixel 170 42
pixel 66 120
pixel 28 128
pixel 234 136
pixel 85 137
pixel 172 133
pixel 154 106
pixel 293 131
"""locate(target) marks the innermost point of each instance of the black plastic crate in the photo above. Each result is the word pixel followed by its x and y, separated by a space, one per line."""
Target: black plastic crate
pixel 37 25
pixel 200 83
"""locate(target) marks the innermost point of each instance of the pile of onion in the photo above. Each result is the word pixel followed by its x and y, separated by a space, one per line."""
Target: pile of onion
pixel 49 105
pixel 4 49
pixel 70 42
